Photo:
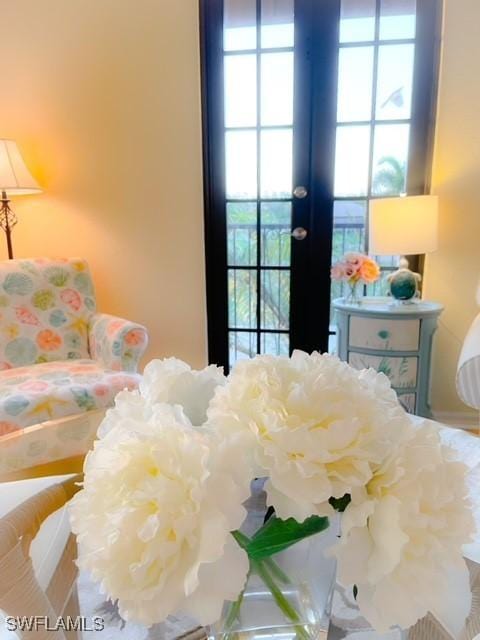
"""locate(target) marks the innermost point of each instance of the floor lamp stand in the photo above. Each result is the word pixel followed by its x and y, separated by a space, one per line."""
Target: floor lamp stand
pixel 8 220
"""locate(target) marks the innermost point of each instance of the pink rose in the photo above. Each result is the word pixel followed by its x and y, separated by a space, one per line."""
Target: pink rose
pixel 338 271
pixel 350 271
pixel 355 259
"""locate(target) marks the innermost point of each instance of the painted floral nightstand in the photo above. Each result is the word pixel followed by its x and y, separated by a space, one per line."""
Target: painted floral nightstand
pixel 395 339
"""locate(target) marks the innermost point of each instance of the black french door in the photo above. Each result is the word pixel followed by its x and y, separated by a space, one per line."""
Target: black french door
pixel 295 144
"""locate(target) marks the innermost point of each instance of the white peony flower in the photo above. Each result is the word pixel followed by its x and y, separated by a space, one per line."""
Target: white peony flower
pixel 174 382
pixel 128 404
pixel 402 536
pixel 170 381
pixel 154 516
pixel 317 426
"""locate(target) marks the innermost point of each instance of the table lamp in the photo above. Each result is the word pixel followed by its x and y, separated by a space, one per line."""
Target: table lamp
pixel 15 180
pixel 403 226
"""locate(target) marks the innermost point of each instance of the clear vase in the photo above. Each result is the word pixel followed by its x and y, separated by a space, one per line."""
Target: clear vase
pixel 288 597
pixel 353 296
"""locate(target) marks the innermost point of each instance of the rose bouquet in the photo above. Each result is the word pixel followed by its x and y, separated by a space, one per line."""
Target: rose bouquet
pixel 355 268
pixel 158 518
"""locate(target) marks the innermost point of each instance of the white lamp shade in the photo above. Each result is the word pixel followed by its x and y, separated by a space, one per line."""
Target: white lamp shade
pixel 15 178
pixel 403 226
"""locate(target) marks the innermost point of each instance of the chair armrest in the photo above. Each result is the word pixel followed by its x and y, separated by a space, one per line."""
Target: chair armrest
pixel 468 370
pixel 20 591
pixel 118 344
pixel 26 518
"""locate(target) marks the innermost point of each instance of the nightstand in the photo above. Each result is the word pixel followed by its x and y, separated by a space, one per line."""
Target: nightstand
pixel 395 339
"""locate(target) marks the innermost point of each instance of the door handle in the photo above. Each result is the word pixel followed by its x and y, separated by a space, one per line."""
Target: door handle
pixel 299 233
pixel 300 192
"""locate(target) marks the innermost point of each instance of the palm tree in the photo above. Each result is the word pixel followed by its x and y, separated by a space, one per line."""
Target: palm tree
pixel 390 177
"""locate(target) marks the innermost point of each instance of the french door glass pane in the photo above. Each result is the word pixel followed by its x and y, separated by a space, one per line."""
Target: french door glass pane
pixel 242 345
pixel 357 20
pixel 239 25
pixel 277 24
pixel 276 344
pixel 258 99
pixel 351 160
pixel 354 101
pixel 380 287
pixel 390 155
pixel 241 164
pixel 240 91
pixel 397 19
pixel 276 163
pixel 276 240
pixel 242 233
pixel 275 299
pixel 395 80
pixel 371 159
pixel 242 295
pixel 349 218
pixel 277 88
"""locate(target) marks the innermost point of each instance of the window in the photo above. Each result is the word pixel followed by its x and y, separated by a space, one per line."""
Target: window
pixel 310 110
pixel 379 44
pixel 258 64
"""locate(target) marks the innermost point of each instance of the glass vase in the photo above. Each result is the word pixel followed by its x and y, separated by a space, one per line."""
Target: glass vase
pixel 287 596
pixel 353 296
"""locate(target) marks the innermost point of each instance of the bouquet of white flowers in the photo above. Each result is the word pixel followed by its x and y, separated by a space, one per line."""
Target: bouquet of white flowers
pixel 158 517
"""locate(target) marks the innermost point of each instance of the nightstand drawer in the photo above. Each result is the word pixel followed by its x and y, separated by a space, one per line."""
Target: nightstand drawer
pixel 402 372
pixel 384 334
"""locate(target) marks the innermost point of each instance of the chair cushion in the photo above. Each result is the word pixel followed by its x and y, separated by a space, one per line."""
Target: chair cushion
pixel 40 392
pixel 45 309
pixel 49 543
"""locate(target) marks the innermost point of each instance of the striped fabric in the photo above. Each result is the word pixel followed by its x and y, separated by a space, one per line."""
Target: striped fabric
pixel 468 370
pixel 468 382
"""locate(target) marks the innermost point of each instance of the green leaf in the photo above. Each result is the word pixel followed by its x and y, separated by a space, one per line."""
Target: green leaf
pixel 242 540
pixel 277 535
pixel 340 504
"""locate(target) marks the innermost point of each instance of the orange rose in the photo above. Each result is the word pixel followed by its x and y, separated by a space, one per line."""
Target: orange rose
pixel 48 340
pixel 369 271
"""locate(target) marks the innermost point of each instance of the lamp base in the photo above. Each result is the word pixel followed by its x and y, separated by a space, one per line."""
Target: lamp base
pixel 8 220
pixel 404 283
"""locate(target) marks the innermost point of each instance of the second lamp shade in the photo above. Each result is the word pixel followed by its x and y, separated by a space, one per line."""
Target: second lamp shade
pixel 403 226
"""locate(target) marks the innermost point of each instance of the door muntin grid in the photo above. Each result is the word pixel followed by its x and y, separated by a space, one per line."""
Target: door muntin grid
pixel 377 44
pixel 388 31
pixel 259 80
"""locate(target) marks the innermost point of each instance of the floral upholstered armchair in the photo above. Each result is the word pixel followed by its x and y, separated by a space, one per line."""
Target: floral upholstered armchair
pixel 58 356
